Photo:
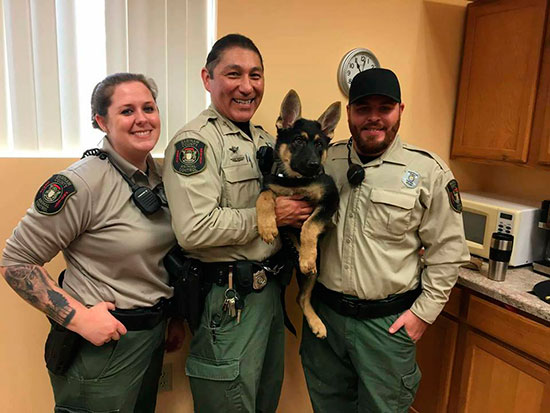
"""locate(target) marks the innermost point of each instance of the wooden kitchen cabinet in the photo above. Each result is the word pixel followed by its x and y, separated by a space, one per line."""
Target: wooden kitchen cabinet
pixel 540 136
pixel 479 356
pixel 497 379
pixel 498 89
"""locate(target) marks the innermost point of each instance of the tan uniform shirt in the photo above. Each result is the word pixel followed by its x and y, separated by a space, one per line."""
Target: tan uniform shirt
pixel 214 210
pixel 112 250
pixel 401 206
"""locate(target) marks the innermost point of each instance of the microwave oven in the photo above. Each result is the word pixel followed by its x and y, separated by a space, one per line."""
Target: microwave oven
pixel 484 214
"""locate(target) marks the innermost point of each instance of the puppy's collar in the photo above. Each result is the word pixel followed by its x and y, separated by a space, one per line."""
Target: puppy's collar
pixel 279 177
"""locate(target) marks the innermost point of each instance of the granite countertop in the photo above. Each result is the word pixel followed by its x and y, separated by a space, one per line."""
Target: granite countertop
pixel 514 290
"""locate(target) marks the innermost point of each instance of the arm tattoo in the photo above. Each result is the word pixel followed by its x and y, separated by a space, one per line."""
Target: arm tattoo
pixel 34 285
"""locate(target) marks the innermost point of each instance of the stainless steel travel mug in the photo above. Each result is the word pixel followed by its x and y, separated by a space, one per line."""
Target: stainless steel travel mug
pixel 499 255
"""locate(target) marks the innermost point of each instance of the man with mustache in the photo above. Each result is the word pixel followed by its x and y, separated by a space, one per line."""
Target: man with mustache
pixel 376 293
pixel 212 180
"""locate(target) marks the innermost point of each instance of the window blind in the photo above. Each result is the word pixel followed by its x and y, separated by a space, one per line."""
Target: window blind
pixel 53 52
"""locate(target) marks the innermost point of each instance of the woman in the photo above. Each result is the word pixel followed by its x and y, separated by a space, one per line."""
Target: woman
pixel 115 285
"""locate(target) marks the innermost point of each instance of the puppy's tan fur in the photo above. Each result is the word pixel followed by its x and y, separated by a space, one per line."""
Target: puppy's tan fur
pixel 320 192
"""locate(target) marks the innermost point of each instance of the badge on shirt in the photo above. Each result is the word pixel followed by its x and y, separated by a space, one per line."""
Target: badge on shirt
pixel 235 155
pixel 454 195
pixel 52 196
pixel 189 157
pixel 410 179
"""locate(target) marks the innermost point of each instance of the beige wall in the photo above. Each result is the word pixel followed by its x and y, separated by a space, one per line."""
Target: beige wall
pixel 302 42
pixel 23 379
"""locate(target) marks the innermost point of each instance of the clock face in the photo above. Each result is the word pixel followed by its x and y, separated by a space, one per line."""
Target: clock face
pixel 354 62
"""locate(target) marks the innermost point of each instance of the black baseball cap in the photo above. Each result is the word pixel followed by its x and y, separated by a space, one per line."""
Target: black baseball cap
pixel 542 291
pixel 375 82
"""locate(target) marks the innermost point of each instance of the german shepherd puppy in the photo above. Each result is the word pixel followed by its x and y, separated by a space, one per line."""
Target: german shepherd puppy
pixel 300 151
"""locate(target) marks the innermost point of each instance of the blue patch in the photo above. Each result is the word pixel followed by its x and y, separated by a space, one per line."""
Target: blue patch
pixel 410 179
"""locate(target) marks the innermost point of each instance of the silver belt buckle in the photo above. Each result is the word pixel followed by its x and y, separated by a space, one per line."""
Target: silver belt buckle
pixel 259 279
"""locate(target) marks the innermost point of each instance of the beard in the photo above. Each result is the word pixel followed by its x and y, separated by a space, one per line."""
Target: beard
pixel 369 146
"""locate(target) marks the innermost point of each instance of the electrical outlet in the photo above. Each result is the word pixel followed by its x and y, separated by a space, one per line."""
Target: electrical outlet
pixel 165 381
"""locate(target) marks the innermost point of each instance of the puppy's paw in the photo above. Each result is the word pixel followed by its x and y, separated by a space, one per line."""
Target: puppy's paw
pixel 318 328
pixel 268 232
pixel 308 266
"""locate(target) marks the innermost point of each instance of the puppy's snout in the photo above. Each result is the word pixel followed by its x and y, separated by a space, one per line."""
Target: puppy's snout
pixel 313 165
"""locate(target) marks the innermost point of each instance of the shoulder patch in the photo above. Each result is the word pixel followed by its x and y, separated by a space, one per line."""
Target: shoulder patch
pixel 189 157
pixel 53 194
pixel 454 195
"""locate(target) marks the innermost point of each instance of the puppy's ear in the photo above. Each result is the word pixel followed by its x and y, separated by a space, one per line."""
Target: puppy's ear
pixel 329 119
pixel 291 110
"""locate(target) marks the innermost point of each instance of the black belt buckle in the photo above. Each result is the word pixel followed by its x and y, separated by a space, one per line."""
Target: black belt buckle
pixel 349 307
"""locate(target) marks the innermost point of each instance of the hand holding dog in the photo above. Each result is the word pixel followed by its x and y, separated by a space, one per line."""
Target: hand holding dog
pixel 291 211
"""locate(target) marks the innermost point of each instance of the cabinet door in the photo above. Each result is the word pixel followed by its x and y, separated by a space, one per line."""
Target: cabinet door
pixel 496 379
pixel 498 80
pixel 435 354
pixel 540 135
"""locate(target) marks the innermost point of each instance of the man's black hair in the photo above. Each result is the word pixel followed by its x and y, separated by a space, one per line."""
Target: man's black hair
pixel 227 42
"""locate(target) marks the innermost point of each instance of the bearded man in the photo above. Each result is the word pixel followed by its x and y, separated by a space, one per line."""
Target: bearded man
pixel 376 292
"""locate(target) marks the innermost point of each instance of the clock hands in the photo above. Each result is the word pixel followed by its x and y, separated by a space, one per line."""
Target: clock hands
pixel 357 63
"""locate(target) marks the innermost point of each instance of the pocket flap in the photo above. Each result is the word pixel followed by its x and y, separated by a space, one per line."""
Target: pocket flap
pixel 399 199
pixel 240 173
pixel 411 380
pixel 217 370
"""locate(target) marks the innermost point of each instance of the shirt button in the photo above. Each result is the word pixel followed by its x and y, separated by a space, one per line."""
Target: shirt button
pixel 346 267
pixel 348 241
pixel 351 215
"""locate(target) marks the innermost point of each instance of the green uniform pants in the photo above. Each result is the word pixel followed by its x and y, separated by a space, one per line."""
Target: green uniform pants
pixel 238 367
pixel 360 366
pixel 119 376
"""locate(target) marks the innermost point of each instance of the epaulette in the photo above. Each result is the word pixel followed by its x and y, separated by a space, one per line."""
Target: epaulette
pixel 338 142
pixel 264 134
pixel 198 123
pixel 432 155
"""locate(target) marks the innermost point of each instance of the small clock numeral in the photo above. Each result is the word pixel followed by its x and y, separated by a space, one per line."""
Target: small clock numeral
pixel 352 65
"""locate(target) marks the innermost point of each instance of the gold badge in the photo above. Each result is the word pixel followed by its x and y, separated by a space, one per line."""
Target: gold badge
pixel 259 280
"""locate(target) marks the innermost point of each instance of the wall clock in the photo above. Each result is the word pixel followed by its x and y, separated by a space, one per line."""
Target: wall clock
pixel 354 62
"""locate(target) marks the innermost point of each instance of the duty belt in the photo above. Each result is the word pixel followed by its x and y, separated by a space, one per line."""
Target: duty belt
pixel 261 272
pixel 143 318
pixel 350 306
pixel 252 276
